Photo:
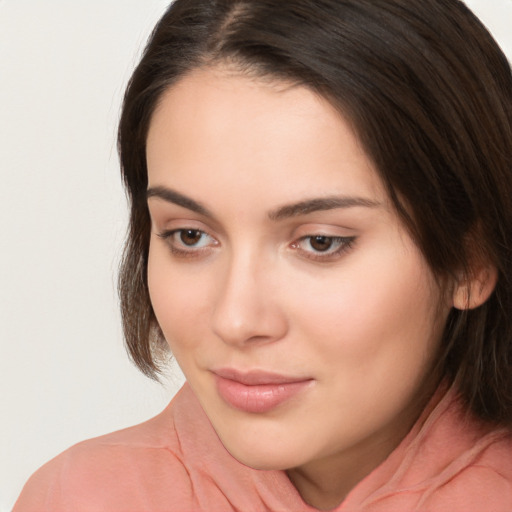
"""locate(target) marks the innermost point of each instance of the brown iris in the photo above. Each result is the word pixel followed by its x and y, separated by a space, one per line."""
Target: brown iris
pixel 321 243
pixel 190 236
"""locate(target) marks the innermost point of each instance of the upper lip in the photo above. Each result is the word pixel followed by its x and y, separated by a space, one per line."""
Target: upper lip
pixel 257 377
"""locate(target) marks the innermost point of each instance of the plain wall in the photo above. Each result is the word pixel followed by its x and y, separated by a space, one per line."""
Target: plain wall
pixel 64 374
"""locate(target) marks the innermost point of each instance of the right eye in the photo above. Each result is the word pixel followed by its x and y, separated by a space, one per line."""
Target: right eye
pixel 187 242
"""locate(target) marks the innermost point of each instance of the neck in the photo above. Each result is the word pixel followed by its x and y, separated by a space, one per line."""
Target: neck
pixel 325 483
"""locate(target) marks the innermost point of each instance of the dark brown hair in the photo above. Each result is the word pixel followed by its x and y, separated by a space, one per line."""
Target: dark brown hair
pixel 429 94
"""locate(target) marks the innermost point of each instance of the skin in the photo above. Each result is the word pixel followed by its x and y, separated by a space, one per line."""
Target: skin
pixel 247 289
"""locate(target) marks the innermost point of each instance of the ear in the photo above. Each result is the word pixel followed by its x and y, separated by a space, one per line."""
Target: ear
pixel 475 289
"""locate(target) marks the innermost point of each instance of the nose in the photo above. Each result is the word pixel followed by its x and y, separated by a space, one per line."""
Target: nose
pixel 247 309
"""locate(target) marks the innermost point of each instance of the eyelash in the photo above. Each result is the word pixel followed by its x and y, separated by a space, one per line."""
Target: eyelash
pixel 343 245
pixel 181 252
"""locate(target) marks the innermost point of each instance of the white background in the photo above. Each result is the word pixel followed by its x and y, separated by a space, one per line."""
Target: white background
pixel 64 375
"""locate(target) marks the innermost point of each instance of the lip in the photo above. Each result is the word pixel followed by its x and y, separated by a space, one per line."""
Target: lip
pixel 257 391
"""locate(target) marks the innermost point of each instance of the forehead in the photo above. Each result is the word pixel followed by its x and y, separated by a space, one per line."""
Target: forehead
pixel 215 126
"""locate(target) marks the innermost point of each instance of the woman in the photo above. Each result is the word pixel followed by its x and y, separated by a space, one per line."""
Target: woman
pixel 321 232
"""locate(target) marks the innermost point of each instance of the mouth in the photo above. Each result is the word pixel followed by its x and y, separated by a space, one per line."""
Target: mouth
pixel 257 391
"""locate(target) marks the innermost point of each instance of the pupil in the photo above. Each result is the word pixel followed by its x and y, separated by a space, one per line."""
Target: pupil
pixel 321 243
pixel 190 236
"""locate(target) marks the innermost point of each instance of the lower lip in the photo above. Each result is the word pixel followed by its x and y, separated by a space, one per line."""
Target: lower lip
pixel 258 398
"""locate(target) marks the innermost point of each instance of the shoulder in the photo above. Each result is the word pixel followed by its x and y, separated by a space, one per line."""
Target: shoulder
pixel 482 482
pixel 449 462
pixel 473 463
pixel 108 472
pixel 174 461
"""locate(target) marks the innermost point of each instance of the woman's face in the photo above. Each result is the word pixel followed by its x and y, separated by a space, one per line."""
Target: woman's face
pixel 301 312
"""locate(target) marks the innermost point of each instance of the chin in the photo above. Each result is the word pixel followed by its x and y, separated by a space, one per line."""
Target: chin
pixel 263 461
pixel 261 451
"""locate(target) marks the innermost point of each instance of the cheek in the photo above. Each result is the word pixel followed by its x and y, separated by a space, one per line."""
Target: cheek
pixel 372 312
pixel 178 304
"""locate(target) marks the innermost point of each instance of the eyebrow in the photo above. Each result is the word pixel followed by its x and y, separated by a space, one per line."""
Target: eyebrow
pixel 320 204
pixel 171 196
pixel 284 212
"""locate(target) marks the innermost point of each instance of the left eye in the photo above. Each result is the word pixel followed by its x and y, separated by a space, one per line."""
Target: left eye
pixel 324 245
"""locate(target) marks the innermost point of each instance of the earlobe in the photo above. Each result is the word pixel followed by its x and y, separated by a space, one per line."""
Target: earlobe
pixel 473 291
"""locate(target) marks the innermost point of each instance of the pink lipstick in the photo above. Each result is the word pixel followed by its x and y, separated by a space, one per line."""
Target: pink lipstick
pixel 257 391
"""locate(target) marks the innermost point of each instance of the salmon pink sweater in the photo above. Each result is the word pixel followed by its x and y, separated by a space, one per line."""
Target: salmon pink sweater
pixel 175 462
